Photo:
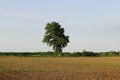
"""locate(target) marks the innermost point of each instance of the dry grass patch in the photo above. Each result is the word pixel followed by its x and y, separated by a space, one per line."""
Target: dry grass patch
pixel 59 68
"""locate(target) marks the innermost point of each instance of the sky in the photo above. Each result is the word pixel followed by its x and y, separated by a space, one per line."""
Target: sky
pixel 93 25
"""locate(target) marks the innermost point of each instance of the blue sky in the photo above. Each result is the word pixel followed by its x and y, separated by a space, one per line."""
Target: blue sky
pixel 93 25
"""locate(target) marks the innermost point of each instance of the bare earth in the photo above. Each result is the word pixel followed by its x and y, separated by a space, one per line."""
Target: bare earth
pixel 59 68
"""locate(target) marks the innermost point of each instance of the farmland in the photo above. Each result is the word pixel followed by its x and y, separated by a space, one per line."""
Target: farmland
pixel 59 68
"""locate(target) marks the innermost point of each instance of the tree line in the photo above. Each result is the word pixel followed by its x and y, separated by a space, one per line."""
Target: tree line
pixel 64 54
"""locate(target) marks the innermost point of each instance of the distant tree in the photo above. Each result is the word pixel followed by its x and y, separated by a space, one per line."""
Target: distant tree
pixel 55 37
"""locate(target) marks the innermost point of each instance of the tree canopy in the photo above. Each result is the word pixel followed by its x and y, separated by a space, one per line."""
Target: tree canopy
pixel 55 36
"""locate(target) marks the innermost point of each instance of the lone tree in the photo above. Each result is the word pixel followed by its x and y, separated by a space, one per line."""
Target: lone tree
pixel 55 36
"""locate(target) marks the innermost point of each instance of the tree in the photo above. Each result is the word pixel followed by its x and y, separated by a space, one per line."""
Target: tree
pixel 55 37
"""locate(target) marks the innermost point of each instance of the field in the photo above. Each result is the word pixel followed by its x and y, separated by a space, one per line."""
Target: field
pixel 59 68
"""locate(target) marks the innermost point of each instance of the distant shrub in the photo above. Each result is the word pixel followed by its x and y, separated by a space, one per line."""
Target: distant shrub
pixel 65 54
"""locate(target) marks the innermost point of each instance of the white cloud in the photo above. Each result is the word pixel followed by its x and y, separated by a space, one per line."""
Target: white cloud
pixel 18 14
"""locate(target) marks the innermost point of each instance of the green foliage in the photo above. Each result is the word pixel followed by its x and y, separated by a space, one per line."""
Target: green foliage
pixel 55 37
pixel 65 54
pixel 25 54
